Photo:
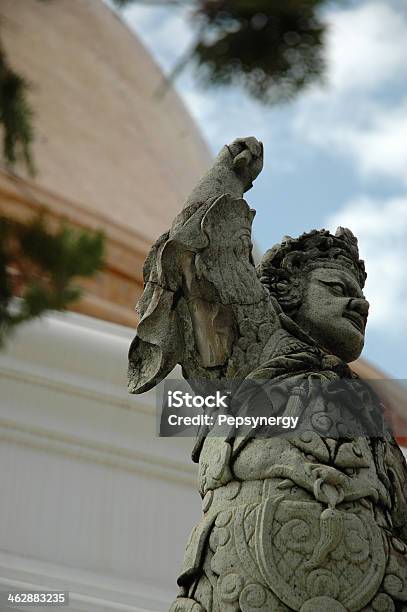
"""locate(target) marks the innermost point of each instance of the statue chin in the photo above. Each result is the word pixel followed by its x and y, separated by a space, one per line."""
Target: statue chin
pixel 339 338
pixel 347 347
pixel 349 354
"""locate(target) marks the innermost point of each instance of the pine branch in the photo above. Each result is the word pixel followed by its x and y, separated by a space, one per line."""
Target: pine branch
pixel 270 48
pixel 41 267
pixel 16 116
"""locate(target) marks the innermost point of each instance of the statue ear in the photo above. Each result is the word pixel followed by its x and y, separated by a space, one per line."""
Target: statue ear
pixel 157 348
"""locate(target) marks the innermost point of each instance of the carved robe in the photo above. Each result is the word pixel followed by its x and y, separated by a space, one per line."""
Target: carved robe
pixel 305 523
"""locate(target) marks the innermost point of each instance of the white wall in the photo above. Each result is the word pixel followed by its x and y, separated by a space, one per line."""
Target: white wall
pixel 91 500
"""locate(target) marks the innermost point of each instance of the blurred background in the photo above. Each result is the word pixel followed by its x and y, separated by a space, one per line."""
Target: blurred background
pixel 109 114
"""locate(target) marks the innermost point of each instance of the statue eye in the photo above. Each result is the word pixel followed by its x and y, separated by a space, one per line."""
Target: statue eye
pixel 337 288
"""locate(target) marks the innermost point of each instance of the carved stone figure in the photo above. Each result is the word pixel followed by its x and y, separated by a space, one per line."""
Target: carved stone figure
pixel 312 522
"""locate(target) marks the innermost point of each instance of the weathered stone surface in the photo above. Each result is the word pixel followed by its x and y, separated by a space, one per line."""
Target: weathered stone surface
pixel 312 522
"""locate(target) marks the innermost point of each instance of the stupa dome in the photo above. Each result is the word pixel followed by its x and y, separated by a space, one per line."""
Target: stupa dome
pixel 110 153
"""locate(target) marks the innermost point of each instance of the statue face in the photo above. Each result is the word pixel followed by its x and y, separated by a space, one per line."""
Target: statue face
pixel 334 312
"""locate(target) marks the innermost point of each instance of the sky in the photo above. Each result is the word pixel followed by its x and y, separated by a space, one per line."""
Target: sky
pixel 337 155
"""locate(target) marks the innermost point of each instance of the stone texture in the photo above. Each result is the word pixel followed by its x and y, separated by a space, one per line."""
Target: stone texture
pixel 310 522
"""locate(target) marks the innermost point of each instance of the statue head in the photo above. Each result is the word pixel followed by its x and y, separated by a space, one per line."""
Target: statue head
pixel 318 281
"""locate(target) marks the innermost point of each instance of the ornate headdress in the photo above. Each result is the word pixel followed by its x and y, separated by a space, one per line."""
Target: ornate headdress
pixel 282 267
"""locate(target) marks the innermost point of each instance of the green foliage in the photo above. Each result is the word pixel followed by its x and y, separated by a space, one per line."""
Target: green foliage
pixel 41 267
pixel 273 49
pixel 16 116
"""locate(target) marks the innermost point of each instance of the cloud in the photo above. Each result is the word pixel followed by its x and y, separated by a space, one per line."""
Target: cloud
pixel 366 46
pixel 381 146
pixel 222 118
pixel 373 138
pixel 167 32
pixel 360 114
pixel 381 228
pixel 360 117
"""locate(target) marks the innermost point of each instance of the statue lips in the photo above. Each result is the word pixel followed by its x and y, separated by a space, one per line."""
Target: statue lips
pixel 358 321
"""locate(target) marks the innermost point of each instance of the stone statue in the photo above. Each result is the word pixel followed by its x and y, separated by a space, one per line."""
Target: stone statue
pixel 313 522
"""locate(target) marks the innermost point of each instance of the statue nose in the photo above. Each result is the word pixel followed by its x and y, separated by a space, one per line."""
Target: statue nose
pixel 360 305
